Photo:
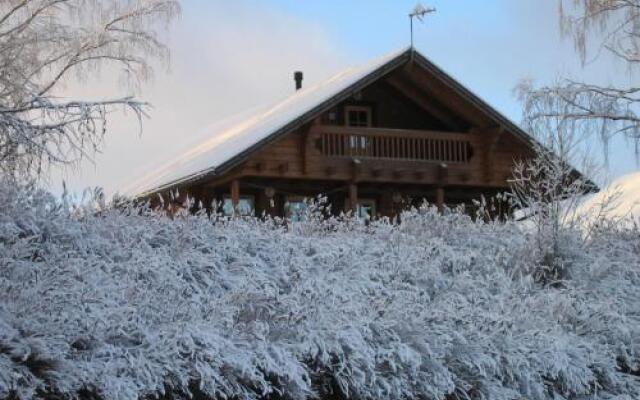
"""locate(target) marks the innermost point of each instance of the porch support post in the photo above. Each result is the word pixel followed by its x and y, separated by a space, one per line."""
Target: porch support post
pixel 235 193
pixel 353 196
pixel 353 186
pixel 443 178
pixel 440 198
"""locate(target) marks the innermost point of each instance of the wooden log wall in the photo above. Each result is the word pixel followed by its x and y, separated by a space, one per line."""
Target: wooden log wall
pixel 326 152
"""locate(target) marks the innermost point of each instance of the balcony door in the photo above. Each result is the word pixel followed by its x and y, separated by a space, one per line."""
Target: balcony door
pixel 358 117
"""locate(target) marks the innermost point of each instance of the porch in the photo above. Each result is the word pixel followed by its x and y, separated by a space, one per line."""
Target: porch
pixel 286 197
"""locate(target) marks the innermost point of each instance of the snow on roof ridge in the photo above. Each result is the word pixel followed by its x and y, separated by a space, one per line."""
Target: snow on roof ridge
pixel 190 164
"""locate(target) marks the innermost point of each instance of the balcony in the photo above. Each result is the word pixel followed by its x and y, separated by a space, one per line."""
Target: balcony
pixel 393 144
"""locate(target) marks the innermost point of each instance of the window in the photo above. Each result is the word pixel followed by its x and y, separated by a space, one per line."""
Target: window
pixel 358 116
pixel 295 208
pixel 366 209
pixel 245 206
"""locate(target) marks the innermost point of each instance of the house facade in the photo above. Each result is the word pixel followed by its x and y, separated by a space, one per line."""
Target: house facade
pixel 372 139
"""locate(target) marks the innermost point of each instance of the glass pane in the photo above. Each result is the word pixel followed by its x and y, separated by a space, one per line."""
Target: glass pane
pixel 366 210
pixel 245 206
pixel 358 118
pixel 296 210
pixel 227 207
pixel 362 118
pixel 353 118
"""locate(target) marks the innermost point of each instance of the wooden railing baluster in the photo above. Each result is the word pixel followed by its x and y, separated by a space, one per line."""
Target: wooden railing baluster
pixel 351 143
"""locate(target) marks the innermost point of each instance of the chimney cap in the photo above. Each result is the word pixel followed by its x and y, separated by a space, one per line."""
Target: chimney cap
pixel 298 76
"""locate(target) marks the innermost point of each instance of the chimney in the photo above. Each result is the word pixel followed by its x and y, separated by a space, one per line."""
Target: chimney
pixel 298 78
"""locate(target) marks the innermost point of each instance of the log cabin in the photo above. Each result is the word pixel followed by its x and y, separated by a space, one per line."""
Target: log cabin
pixel 372 139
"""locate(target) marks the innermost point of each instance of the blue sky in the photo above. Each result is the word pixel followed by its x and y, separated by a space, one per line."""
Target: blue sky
pixel 228 56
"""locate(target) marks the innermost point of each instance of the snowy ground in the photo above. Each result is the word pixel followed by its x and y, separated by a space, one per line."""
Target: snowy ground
pixel 125 304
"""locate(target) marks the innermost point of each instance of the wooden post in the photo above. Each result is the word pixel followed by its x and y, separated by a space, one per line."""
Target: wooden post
pixel 490 143
pixel 304 149
pixel 353 196
pixel 443 178
pixel 262 204
pixel 440 199
pixel 386 204
pixel 235 194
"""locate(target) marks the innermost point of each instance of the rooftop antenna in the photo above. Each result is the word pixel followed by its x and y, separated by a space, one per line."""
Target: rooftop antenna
pixel 419 11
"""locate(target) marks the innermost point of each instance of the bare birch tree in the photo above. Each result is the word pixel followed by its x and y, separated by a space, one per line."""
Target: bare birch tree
pixel 597 28
pixel 45 42
pixel 547 190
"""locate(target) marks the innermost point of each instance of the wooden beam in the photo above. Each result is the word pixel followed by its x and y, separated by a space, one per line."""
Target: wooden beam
pixel 283 168
pixel 356 166
pixel 259 166
pixel 330 171
pixel 377 172
pixel 449 98
pixel 424 101
pixel 353 197
pixel 500 131
pixel 443 174
pixel 235 193
pixel 304 148
pixel 490 142
pixel 224 179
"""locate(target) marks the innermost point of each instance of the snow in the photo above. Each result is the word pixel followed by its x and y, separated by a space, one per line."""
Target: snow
pixel 125 304
pixel 231 137
pixel 622 196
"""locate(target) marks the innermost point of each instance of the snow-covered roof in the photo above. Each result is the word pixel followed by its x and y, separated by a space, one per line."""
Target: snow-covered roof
pixel 232 137
pixel 618 201
pixel 231 140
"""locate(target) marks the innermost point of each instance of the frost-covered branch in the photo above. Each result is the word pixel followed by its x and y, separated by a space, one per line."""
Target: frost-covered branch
pixel 548 191
pixel 45 42
pixel 597 28
pixel 593 110
pixel 612 24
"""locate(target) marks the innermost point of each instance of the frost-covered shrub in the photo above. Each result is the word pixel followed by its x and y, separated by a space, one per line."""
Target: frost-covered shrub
pixel 127 304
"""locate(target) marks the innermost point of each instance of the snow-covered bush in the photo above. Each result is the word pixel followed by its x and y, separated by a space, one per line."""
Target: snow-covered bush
pixel 128 304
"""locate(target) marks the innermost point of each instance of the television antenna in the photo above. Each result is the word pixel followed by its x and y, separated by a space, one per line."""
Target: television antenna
pixel 419 12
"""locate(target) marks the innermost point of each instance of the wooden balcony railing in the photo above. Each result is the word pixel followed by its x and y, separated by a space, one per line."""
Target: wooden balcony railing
pixel 395 144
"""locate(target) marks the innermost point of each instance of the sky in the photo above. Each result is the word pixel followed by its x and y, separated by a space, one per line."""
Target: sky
pixel 231 56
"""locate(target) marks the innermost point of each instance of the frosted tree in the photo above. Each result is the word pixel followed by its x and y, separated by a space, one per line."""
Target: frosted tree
pixel 45 42
pixel 547 188
pixel 122 303
pixel 598 28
